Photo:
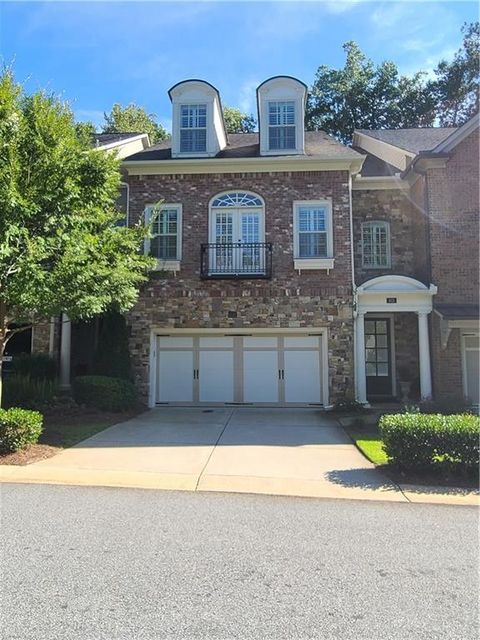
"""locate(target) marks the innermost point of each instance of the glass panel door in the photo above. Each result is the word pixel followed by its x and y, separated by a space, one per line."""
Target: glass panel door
pixel 250 258
pixel 378 357
pixel 222 257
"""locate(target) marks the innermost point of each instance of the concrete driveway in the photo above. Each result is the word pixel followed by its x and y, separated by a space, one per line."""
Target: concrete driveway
pixel 257 450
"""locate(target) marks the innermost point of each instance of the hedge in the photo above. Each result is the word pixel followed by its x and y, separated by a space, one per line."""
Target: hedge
pixel 19 428
pixel 424 441
pixel 104 393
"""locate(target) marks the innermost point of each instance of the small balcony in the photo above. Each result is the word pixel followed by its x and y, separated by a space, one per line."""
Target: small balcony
pixel 236 260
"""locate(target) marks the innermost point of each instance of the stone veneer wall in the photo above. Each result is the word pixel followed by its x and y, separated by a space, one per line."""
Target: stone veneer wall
pixel 288 300
pixel 395 207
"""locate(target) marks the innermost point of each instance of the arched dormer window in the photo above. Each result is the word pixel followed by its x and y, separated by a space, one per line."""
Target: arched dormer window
pixel 197 122
pixel 281 108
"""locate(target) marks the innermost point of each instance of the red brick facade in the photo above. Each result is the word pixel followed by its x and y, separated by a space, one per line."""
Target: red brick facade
pixel 310 299
pixel 453 207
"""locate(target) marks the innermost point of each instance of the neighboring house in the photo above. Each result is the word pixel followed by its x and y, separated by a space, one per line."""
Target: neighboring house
pixel 293 270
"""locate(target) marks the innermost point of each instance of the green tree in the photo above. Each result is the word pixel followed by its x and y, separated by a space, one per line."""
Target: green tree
pixel 238 122
pixel 133 119
pixel 60 246
pixel 456 86
pixel 365 95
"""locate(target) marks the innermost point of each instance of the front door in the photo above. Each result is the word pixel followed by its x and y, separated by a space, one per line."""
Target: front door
pixel 378 357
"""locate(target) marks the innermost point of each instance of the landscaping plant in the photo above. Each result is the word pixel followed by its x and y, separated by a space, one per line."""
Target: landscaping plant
pixel 19 428
pixel 104 393
pixel 425 441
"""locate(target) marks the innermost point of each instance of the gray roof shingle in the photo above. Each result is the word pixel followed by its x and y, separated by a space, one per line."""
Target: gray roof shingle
pixel 100 139
pixel 412 140
pixel 246 145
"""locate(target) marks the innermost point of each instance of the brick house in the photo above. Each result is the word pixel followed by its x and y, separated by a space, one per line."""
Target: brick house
pixel 293 270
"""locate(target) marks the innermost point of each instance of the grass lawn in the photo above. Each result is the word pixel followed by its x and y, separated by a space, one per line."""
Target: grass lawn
pixel 64 430
pixel 370 445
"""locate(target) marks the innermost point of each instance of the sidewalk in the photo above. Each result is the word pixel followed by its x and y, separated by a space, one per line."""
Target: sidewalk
pixel 299 452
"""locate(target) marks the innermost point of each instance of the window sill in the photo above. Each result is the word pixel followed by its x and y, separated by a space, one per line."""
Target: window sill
pixel 302 264
pixel 167 265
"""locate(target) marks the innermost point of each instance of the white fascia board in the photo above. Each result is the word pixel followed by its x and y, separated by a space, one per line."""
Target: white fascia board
pixel 235 165
pixel 458 135
pixel 378 183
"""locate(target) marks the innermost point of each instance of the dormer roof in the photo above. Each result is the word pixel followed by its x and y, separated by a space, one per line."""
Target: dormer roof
pixel 198 99
pixel 281 104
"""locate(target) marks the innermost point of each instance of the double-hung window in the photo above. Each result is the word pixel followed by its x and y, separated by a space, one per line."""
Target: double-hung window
pixel 166 229
pixel 376 245
pixel 313 237
pixel 281 125
pixel 193 128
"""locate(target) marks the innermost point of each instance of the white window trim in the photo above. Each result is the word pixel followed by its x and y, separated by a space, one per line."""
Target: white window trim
pixel 178 127
pixel 293 126
pixel 313 263
pixel 166 265
pixel 370 223
pixel 249 208
pixel 127 212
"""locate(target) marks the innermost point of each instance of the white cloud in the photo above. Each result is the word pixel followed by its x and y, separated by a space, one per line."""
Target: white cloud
pixel 247 99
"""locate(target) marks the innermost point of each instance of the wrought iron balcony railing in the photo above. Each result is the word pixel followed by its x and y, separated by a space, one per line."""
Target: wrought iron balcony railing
pixel 236 260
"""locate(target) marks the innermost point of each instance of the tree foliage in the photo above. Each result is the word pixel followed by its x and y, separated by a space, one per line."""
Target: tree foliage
pixel 133 118
pixel 238 122
pixel 60 246
pixel 456 86
pixel 363 95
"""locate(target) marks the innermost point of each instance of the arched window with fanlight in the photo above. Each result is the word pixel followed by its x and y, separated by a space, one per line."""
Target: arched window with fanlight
pixel 237 236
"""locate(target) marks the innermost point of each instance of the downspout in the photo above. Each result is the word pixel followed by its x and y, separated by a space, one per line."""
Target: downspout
pixel 354 286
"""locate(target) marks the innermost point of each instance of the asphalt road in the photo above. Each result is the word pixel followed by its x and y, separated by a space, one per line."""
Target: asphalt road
pixel 121 564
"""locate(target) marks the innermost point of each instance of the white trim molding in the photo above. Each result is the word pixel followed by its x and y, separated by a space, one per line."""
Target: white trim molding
pixel 393 293
pixel 167 264
pixel 313 262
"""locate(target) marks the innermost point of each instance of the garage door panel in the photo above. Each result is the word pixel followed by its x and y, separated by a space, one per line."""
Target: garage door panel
pixel 302 376
pixel 260 376
pixel 216 376
pixel 175 376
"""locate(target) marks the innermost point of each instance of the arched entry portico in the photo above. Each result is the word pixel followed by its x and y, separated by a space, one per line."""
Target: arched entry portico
pixel 389 295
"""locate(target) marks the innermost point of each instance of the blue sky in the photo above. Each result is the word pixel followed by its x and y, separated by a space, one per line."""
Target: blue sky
pixel 98 53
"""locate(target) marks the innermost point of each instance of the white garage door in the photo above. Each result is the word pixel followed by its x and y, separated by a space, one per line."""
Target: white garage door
pixel 239 369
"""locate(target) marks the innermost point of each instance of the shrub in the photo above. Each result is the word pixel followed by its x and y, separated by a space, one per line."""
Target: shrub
pixel 104 393
pixel 19 428
pixel 422 441
pixel 27 392
pixel 38 366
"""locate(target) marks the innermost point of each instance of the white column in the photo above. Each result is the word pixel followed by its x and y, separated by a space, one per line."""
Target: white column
pixel 424 356
pixel 360 358
pixel 65 351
